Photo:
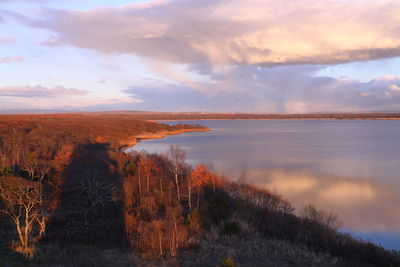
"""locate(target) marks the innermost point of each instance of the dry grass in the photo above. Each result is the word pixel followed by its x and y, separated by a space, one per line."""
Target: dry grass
pixel 250 249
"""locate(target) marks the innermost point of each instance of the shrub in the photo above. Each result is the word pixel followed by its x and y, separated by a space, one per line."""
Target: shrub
pixel 193 220
pixel 227 262
pixel 231 228
pixel 218 207
pixel 5 171
pixel 325 218
pixel 130 168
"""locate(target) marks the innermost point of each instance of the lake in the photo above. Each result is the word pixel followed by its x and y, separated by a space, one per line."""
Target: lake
pixel 350 167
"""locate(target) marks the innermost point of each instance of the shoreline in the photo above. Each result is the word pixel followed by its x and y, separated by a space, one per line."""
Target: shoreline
pixel 274 119
pixel 155 135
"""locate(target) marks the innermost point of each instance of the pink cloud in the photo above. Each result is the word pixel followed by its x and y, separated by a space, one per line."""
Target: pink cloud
pixel 39 91
pixel 6 60
pixel 227 32
pixel 6 40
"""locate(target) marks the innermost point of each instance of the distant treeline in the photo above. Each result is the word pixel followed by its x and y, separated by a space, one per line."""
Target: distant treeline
pixel 129 115
pixel 62 186
pixel 255 116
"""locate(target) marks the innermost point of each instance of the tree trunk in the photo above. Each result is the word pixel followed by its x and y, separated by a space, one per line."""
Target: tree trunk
pixel 42 219
pixel 20 236
pixel 27 227
pixel 160 242
pixel 198 198
pixel 140 186
pixel 177 186
pixel 190 198
pixel 161 180
pixel 213 182
pixel 175 234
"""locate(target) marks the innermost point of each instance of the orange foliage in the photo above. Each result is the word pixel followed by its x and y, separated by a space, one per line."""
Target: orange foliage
pixel 153 219
pixel 201 176
pixel 146 166
pixel 100 140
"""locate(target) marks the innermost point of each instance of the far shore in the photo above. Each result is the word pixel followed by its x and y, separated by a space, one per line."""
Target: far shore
pixel 270 119
pixel 194 116
pixel 198 116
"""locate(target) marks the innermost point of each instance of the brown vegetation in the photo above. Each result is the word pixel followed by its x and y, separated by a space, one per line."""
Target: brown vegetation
pixel 65 186
pixel 52 131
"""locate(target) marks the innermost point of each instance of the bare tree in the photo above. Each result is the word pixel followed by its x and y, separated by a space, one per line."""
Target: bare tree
pixel 45 211
pixel 16 148
pixel 95 193
pixel 30 164
pixel 122 160
pixel 45 161
pixel 328 219
pixel 139 176
pixel 43 168
pixel 178 158
pixel 211 168
pixel 189 184
pixel 3 153
pixel 20 200
pixel 160 175
pixel 147 166
pixel 242 177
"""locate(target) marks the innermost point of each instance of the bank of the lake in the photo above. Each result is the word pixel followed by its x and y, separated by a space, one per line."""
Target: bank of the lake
pixel 133 140
pixel 350 167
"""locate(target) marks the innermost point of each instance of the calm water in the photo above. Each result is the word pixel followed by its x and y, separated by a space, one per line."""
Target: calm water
pixel 349 167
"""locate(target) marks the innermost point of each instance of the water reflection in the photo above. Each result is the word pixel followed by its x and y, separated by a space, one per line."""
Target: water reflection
pixel 348 167
pixel 362 205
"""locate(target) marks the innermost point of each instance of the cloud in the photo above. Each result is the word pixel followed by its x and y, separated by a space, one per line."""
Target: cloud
pixel 6 39
pixel 394 87
pixel 242 56
pixel 39 91
pixel 110 104
pixel 163 96
pixel 286 89
pixel 229 32
pixel 64 103
pixel 4 1
pixel 363 205
pixel 6 60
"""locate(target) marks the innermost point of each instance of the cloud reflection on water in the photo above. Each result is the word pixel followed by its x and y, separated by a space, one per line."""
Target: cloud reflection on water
pixel 362 205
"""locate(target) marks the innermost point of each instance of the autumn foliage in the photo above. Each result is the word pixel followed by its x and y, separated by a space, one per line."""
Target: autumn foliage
pixel 64 180
pixel 154 216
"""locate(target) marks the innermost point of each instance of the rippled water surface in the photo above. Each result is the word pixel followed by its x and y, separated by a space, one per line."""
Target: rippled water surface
pixel 349 167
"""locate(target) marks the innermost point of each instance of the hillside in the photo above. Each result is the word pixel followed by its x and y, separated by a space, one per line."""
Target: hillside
pixel 63 129
pixel 70 198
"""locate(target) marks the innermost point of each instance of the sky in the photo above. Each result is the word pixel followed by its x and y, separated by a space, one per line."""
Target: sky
pixel 259 56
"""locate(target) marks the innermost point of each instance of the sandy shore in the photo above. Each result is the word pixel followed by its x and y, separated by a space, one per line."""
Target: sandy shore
pixel 157 135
